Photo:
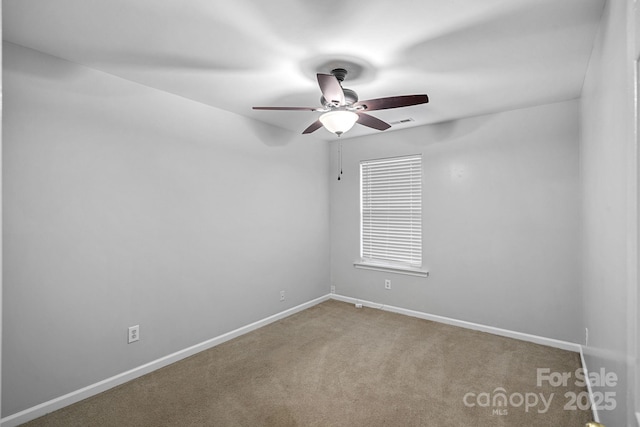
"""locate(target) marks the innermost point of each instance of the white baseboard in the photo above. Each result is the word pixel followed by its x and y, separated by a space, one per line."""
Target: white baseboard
pixel 99 387
pixel 564 345
pixel 93 389
pixel 594 408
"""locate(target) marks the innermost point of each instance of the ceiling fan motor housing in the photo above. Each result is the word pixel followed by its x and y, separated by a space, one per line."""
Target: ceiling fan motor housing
pixel 350 97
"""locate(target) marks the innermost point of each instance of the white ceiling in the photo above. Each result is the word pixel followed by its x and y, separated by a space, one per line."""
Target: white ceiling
pixel 470 56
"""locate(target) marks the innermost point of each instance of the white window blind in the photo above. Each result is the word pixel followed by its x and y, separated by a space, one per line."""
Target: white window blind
pixel 391 211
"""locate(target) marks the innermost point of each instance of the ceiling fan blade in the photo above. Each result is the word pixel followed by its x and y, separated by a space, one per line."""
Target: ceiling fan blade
pixel 331 89
pixel 314 127
pixel 392 102
pixel 372 122
pixel 286 108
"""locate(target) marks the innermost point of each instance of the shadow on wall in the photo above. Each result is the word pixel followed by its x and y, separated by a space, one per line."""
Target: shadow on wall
pixel 32 66
pixel 448 131
pixel 271 136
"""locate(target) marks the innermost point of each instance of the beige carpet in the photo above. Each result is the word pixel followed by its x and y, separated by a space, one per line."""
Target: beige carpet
pixel 335 365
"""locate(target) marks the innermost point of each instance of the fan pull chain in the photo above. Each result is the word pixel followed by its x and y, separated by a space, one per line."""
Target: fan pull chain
pixel 340 159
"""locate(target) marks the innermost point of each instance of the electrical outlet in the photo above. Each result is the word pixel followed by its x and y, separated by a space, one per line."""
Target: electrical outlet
pixel 281 295
pixel 387 284
pixel 333 289
pixel 134 334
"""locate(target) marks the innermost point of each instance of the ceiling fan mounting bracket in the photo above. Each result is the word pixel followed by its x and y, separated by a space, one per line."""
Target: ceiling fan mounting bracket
pixel 339 73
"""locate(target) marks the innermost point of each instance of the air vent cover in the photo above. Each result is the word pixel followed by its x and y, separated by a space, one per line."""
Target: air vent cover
pixel 399 122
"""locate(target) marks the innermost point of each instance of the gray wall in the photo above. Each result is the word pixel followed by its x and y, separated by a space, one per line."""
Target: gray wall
pixel 608 184
pixel 125 205
pixel 501 221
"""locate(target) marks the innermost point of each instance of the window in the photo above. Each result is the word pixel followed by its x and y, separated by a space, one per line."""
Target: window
pixel 391 215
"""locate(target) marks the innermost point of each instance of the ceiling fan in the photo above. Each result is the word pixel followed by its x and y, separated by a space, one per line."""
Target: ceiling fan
pixel 341 108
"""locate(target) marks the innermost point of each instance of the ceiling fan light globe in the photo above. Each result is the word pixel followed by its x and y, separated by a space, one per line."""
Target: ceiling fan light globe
pixel 338 122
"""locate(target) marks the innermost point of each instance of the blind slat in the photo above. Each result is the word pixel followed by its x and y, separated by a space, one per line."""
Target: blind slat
pixel 391 210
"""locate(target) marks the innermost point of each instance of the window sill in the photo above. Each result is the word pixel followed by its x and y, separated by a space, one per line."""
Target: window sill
pixel 411 271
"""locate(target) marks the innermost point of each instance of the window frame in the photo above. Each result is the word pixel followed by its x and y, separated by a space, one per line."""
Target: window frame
pixel 403 266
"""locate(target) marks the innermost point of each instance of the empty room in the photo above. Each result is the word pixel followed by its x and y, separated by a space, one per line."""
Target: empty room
pixel 320 213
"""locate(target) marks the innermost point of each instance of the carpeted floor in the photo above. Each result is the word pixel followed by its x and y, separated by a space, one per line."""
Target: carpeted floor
pixel 335 365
